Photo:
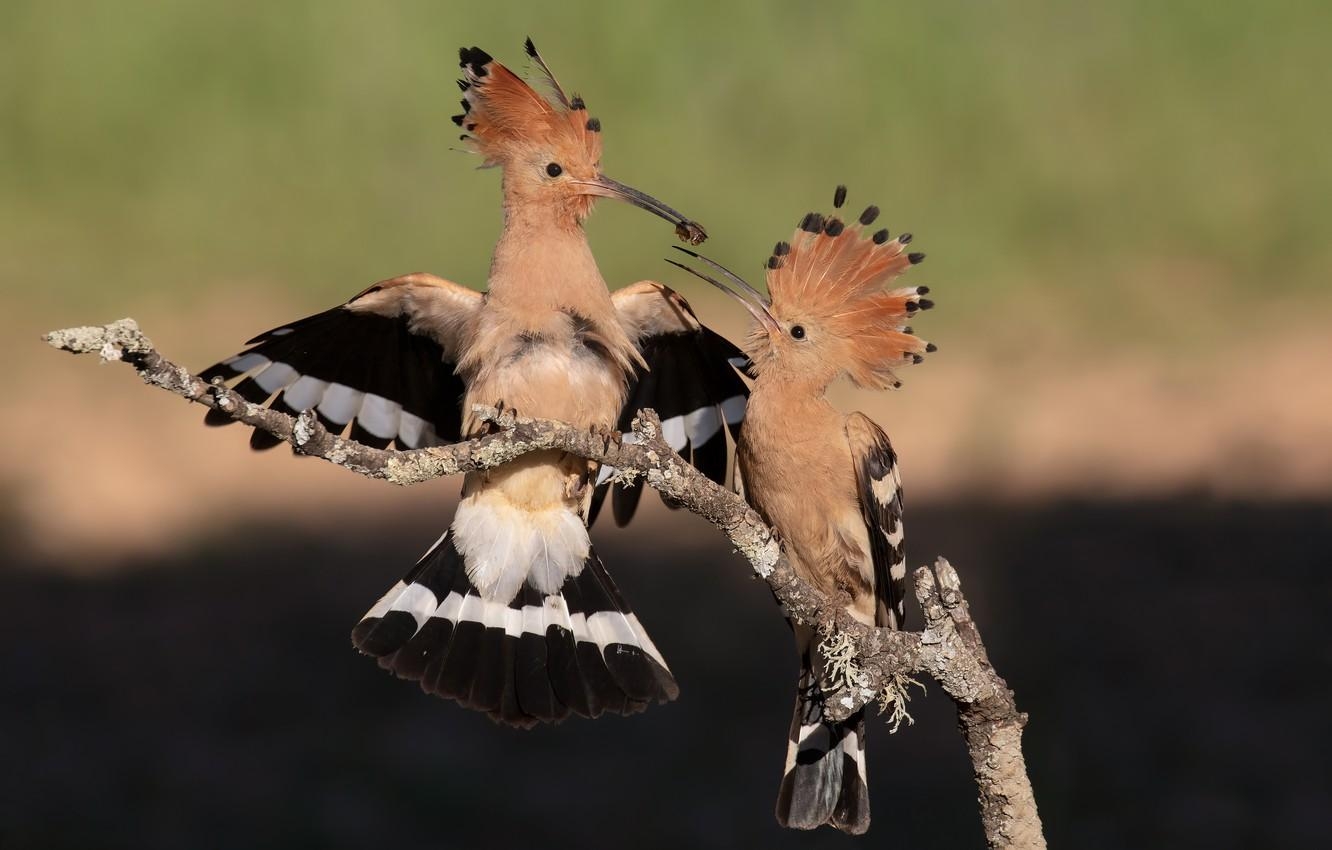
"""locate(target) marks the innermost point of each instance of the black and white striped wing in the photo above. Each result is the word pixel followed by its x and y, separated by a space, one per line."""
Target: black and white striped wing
pixel 690 381
pixel 380 367
pixel 880 490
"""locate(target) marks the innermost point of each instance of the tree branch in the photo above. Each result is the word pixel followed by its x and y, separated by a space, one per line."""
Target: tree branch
pixel 873 663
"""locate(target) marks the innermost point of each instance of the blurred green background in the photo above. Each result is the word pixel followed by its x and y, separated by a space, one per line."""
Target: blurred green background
pixel 1122 443
pixel 1083 153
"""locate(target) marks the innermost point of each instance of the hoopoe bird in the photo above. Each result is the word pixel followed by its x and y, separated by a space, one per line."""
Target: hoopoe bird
pixel 828 483
pixel 511 612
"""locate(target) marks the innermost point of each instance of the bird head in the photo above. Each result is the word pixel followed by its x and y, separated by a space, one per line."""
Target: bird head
pixel 828 311
pixel 546 143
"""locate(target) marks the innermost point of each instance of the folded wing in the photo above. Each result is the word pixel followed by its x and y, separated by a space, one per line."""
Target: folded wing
pixel 880 486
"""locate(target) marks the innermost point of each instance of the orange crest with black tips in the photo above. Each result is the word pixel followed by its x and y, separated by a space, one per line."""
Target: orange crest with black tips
pixel 504 116
pixel 833 275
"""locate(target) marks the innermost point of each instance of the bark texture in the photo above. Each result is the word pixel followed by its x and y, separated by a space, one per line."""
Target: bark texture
pixel 873 663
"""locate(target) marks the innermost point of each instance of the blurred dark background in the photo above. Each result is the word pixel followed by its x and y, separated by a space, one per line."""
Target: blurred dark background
pixel 1171 655
pixel 1122 444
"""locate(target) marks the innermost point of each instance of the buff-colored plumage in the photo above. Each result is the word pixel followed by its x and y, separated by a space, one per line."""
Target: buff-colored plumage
pixel 828 482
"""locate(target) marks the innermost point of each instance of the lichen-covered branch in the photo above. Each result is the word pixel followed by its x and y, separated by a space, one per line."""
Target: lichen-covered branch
pixel 874 663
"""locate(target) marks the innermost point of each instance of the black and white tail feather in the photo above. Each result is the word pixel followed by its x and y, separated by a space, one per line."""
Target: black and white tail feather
pixel 535 657
pixel 824 781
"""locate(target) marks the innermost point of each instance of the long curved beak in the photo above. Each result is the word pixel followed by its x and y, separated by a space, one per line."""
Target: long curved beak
pixel 756 304
pixel 688 230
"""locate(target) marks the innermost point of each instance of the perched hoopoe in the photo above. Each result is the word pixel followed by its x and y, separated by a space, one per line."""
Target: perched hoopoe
pixel 828 483
pixel 511 612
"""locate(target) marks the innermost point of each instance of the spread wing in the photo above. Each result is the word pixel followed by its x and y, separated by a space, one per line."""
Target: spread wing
pixel 880 493
pixel 379 367
pixel 690 380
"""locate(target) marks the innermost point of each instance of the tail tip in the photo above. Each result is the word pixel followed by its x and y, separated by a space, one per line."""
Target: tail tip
pixel 380 636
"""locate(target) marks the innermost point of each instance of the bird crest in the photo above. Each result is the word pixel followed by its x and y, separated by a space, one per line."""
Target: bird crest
pixel 504 116
pixel 829 308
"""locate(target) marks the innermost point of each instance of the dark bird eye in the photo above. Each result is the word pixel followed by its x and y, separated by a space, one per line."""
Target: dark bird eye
pixel 797 332
pixel 554 169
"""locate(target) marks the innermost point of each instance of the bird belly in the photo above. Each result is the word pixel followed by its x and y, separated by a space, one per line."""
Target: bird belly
pixel 524 521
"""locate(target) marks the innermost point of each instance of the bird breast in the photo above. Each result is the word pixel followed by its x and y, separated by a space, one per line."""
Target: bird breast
pixel 563 366
pixel 796 464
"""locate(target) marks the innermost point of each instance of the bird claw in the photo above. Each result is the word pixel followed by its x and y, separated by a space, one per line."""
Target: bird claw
pixel 498 418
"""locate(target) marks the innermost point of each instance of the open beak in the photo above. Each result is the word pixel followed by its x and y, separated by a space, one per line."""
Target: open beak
pixel 603 186
pixel 755 303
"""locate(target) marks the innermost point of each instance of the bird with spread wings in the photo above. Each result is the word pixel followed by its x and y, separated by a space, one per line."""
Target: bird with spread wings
pixel 510 611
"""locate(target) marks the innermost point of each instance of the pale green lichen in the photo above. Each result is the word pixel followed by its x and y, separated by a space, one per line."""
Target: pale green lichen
pixel 841 670
pixel 893 700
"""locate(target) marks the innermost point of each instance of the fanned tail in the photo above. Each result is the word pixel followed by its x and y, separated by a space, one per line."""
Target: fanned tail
pixel 537 657
pixel 825 780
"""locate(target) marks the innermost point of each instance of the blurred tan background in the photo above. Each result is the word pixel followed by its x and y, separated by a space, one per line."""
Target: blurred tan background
pixel 1125 209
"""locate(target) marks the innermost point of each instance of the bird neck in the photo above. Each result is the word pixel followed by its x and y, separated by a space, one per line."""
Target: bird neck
pixel 543 253
pixel 789 393
pixel 783 380
pixel 779 413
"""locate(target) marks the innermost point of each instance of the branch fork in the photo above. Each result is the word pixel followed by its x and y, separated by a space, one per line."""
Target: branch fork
pixel 876 664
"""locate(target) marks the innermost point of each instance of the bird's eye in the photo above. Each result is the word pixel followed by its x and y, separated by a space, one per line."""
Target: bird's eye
pixel 554 169
pixel 797 332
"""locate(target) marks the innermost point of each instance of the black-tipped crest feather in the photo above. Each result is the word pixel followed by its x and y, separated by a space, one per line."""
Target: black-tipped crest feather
pixel 551 82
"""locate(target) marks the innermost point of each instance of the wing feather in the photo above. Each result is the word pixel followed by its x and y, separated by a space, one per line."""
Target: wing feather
pixel 880 492
pixel 690 380
pixel 380 367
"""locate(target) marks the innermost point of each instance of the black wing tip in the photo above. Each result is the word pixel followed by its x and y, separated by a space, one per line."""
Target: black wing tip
pixel 217 371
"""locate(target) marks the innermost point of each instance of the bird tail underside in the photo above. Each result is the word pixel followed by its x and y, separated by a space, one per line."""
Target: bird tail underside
pixel 825 780
pixel 537 658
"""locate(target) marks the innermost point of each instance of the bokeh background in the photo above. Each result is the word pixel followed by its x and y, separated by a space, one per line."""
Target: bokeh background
pixel 1123 443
